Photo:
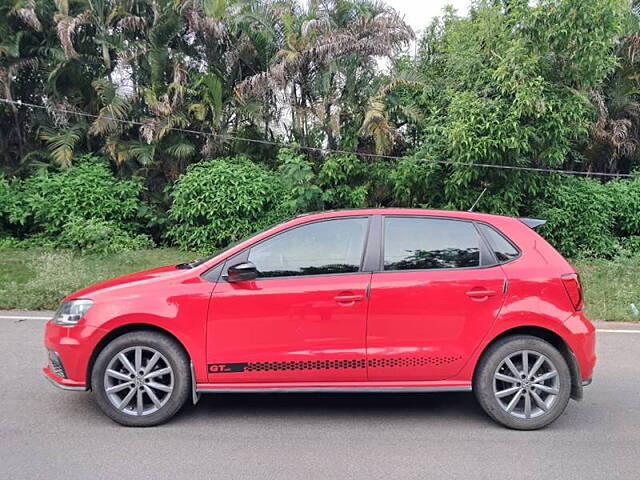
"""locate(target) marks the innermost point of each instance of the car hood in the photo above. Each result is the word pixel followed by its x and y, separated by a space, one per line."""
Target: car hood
pixel 144 276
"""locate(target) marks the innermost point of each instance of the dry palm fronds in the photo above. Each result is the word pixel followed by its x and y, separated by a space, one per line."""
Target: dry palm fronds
pixel 242 47
pixel 378 35
pixel 620 134
pixel 66 28
pixel 131 23
pixel 27 15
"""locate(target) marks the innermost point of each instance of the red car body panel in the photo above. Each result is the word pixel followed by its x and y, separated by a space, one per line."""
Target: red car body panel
pixel 283 320
pixel 429 321
pixel 401 329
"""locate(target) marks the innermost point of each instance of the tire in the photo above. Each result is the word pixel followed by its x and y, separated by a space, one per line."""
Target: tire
pixel 154 396
pixel 497 392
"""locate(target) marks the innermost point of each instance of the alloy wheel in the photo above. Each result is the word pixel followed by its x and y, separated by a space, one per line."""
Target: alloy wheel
pixel 138 380
pixel 526 384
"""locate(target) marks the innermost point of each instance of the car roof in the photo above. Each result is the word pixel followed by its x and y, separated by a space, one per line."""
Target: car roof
pixel 401 212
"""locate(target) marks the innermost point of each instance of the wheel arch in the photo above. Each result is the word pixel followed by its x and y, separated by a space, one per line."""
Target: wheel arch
pixel 118 332
pixel 554 339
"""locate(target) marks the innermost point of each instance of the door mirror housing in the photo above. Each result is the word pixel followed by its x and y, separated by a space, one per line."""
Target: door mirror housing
pixel 242 272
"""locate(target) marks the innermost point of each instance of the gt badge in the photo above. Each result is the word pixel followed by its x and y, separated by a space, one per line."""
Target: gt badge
pixel 226 367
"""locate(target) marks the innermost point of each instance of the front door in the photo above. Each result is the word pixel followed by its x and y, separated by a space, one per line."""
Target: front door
pixel 304 318
pixel 435 298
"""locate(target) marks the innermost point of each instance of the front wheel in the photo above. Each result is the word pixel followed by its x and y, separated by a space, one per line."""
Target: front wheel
pixel 523 382
pixel 141 379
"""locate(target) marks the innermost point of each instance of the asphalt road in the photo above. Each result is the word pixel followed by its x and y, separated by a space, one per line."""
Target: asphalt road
pixel 47 433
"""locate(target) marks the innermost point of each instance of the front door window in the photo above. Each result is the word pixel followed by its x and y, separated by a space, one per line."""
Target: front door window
pixel 321 248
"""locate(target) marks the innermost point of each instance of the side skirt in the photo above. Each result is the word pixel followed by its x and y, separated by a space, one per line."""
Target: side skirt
pixel 335 387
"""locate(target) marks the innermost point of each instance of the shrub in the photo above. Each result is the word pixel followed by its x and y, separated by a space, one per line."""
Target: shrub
pixel 7 205
pixel 7 242
pixel 625 196
pixel 412 182
pixel 298 178
pixel 222 200
pixel 296 173
pixel 579 214
pixel 631 245
pixel 100 236
pixel 89 190
pixel 344 180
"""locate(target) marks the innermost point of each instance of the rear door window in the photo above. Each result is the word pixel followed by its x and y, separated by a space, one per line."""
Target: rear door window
pixel 502 248
pixel 412 243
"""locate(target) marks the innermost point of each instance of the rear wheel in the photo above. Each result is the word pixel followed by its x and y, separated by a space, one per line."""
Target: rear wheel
pixel 523 382
pixel 141 379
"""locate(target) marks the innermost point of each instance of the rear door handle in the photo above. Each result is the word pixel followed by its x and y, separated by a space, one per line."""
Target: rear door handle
pixel 348 298
pixel 480 293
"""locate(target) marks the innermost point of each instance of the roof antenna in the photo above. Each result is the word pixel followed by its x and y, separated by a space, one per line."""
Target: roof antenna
pixel 477 200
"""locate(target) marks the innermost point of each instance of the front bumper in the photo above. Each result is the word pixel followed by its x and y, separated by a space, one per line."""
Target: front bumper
pixel 72 346
pixel 62 383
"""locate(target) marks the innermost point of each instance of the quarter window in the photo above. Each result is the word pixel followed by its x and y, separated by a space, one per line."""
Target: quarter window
pixel 427 243
pixel 328 247
pixel 502 248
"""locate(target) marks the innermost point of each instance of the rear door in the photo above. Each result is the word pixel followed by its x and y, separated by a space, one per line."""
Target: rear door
pixel 304 318
pixel 436 295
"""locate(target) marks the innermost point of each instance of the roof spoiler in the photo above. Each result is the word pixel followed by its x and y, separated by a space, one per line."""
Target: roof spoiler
pixel 532 222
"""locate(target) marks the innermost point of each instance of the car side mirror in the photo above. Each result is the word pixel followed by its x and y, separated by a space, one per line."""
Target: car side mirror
pixel 242 272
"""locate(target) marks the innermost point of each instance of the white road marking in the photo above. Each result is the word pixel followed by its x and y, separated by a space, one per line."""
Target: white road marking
pixel 604 330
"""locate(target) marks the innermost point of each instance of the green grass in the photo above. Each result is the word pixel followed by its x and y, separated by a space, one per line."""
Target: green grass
pixel 610 287
pixel 34 279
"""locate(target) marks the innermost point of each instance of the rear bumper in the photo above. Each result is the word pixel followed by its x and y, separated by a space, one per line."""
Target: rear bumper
pixel 582 341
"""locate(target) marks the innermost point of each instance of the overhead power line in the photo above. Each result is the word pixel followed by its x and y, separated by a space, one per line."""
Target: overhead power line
pixel 22 104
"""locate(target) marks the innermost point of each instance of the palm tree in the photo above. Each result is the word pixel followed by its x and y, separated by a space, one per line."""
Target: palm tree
pixel 616 131
pixel 260 68
pixel 383 105
pixel 323 54
pixel 14 64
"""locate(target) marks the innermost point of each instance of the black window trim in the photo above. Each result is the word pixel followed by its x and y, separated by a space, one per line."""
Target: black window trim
pixel 373 253
pixel 485 249
pixel 488 243
pixel 243 255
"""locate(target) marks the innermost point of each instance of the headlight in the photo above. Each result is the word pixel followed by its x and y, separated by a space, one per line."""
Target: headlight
pixel 69 313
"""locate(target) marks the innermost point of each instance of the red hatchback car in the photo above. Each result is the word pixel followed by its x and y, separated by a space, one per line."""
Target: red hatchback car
pixel 370 300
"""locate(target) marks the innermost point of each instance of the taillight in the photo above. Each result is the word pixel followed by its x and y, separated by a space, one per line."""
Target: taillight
pixel 571 282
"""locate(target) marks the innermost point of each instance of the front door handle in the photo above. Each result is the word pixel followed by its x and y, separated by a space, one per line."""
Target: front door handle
pixel 348 298
pixel 481 293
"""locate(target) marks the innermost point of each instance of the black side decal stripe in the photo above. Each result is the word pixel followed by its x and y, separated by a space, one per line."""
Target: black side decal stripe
pixel 385 362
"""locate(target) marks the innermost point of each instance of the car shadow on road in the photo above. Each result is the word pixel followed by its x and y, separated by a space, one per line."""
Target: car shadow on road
pixel 356 406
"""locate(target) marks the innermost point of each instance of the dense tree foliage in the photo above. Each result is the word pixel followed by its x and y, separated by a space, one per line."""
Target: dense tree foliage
pixel 264 69
pixel 219 201
pixel 343 108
